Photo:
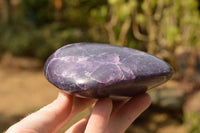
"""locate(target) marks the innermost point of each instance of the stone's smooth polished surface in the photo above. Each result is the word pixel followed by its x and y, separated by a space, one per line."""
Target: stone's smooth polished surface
pixel 94 70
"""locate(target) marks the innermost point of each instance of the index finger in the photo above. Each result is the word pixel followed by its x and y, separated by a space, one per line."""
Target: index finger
pixel 52 117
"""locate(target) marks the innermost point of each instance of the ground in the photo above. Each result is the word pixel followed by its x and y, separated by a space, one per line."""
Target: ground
pixel 24 89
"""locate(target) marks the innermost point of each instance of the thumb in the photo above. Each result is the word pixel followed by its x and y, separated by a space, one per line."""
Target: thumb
pixel 49 119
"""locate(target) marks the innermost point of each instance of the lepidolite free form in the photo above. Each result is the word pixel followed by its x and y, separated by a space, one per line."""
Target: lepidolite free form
pixel 94 70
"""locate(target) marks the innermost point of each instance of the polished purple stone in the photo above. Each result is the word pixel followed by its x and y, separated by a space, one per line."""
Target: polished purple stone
pixel 95 70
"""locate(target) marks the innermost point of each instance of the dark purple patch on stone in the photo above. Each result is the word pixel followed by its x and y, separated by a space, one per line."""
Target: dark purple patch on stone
pixel 95 70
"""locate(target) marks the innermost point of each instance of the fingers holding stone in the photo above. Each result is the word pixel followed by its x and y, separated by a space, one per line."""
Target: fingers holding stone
pixel 100 116
pixel 128 113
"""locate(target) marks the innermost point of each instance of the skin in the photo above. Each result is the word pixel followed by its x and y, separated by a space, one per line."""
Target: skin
pixel 107 116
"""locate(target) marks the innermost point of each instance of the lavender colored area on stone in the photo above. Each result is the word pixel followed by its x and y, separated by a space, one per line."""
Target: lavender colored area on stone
pixel 96 70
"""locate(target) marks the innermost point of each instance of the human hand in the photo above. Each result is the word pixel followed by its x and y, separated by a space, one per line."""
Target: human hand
pixel 106 117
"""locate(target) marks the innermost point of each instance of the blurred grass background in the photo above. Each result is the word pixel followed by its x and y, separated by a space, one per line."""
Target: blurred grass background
pixel 30 30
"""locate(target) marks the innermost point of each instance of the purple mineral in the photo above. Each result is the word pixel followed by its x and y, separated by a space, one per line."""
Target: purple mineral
pixel 95 70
